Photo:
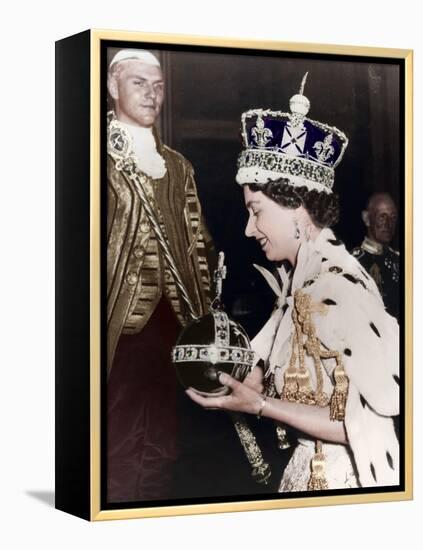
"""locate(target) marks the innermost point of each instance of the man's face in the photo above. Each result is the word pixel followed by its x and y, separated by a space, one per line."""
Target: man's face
pixel 138 92
pixel 382 219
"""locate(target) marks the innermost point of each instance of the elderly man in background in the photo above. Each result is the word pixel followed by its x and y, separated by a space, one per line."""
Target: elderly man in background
pixel 145 305
pixel 375 254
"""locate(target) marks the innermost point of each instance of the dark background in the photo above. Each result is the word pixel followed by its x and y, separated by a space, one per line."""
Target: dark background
pixel 206 92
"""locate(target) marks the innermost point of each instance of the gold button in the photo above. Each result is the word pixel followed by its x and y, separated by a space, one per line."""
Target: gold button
pixel 138 252
pixel 131 278
pixel 145 227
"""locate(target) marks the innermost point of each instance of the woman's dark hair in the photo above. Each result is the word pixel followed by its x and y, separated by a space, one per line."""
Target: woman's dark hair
pixel 322 207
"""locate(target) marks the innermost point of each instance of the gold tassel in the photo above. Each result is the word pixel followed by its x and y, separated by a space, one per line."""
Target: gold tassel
pixel 340 392
pixel 317 481
pixel 305 391
pixel 298 383
pixel 290 385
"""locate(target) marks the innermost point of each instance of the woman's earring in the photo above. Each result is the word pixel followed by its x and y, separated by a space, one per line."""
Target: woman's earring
pixel 297 230
pixel 308 233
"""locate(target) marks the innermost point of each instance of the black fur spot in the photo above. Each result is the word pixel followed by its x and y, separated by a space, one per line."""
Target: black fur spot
pixel 373 327
pixel 350 278
pixel 359 281
pixel 389 459
pixel 347 351
pixel 309 282
pixel 372 469
pixel 363 401
pixel 335 269
pixel 324 259
pixel 329 302
pixel 335 242
pixel 396 378
pixel 364 273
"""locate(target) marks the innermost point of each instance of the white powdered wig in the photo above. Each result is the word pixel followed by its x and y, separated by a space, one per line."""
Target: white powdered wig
pixel 143 55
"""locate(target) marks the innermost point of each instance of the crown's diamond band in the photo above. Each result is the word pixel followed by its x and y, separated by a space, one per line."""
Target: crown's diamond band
pixel 294 166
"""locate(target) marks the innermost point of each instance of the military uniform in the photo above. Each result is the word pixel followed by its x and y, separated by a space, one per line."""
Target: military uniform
pixel 382 262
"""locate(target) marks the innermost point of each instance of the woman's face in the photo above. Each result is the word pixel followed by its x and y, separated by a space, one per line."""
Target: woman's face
pixel 272 225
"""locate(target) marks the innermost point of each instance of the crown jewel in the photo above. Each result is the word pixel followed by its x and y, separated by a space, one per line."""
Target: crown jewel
pixel 299 104
pixel 279 144
pixel 212 344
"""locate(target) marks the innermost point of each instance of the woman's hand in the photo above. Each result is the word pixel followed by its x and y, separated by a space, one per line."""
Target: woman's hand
pixel 244 397
pixel 254 379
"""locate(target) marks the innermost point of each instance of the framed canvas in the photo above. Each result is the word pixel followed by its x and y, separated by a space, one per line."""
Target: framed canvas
pixel 233 275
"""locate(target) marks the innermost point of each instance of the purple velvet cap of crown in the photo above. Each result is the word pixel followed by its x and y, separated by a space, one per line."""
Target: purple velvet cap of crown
pixel 303 141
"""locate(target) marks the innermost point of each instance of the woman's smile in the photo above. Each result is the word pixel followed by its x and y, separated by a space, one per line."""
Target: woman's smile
pixel 271 225
pixel 263 242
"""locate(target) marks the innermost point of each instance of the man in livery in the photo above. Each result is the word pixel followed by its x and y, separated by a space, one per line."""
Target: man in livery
pixel 375 254
pixel 157 280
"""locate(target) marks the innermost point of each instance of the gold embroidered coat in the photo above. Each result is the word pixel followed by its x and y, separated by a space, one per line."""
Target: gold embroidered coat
pixel 137 275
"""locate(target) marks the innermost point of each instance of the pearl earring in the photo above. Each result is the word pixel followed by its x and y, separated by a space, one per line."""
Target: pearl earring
pixel 308 233
pixel 297 230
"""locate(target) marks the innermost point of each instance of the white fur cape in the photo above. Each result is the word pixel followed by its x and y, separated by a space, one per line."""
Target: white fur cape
pixel 357 325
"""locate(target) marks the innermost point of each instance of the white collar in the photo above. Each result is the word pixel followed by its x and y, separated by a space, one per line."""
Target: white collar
pixel 144 146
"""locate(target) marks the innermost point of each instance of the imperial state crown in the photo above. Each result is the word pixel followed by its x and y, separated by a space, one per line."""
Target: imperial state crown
pixel 279 144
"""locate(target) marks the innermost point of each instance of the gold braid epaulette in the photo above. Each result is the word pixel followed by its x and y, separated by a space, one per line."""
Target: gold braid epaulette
pixel 297 380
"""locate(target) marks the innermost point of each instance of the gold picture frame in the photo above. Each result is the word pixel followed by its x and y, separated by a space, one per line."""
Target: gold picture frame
pixel 80 445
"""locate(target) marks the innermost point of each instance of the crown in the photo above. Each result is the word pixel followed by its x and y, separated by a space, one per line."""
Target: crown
pixel 290 145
